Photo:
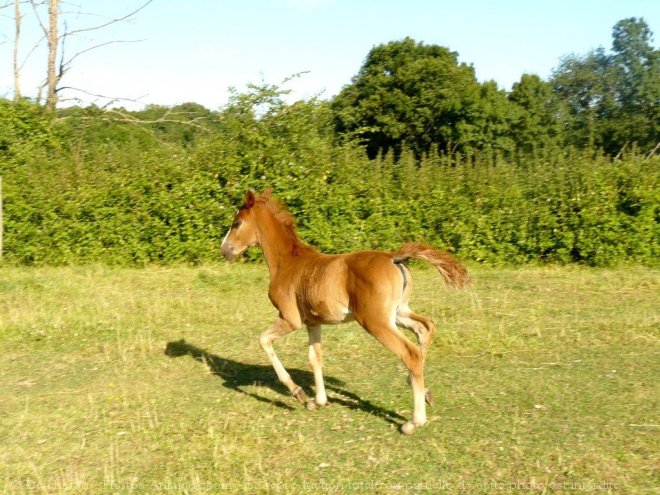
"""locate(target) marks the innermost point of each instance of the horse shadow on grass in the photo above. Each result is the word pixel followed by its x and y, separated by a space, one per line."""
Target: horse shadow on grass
pixel 236 375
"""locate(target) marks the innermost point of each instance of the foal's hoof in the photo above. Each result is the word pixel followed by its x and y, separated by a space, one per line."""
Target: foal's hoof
pixel 408 428
pixel 312 405
pixel 428 397
pixel 299 395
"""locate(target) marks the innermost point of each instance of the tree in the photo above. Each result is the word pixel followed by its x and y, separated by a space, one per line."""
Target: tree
pixel 18 17
pixel 538 121
pixel 58 63
pixel 17 35
pixel 487 122
pixel 407 94
pixel 612 99
pixel 53 39
pixel 636 67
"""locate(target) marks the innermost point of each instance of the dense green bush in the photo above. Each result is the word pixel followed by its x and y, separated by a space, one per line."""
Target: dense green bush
pixel 87 188
pixel 25 129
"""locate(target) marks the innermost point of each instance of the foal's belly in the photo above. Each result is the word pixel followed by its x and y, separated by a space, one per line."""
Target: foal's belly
pixel 328 314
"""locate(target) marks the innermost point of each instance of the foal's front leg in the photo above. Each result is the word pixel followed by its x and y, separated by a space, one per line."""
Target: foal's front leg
pixel 278 329
pixel 316 362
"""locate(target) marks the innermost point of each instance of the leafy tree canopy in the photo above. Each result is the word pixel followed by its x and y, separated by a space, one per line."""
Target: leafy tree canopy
pixel 407 94
pixel 613 99
pixel 538 113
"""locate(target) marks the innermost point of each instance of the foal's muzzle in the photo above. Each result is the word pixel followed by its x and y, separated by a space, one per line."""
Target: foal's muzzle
pixel 227 251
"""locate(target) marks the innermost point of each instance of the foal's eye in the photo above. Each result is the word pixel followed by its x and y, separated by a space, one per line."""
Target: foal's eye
pixel 236 224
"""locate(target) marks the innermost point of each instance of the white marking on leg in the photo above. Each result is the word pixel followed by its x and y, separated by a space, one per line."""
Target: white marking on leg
pixel 419 392
pixel 316 361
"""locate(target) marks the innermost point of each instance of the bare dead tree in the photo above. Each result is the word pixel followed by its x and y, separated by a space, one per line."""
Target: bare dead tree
pixel 17 35
pixel 53 40
pixel 56 42
pixel 18 65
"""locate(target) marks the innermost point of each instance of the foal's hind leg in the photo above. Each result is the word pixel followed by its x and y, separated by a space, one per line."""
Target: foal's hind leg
pixel 279 329
pixel 422 327
pixel 388 335
pixel 316 362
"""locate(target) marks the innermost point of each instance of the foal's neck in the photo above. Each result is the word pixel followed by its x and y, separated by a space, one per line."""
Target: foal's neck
pixel 276 240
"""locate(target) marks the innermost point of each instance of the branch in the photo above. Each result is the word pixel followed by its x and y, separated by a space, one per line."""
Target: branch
pixel 167 117
pixel 112 99
pixel 112 21
pixel 62 65
pixel 114 115
pixel 618 155
pixel 648 157
pixel 65 65
pixel 37 45
pixel 40 90
pixel 36 13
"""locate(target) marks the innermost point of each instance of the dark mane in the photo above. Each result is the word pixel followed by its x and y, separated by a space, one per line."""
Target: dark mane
pixel 284 218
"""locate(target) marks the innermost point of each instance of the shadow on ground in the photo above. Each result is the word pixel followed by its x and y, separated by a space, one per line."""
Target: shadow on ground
pixel 235 375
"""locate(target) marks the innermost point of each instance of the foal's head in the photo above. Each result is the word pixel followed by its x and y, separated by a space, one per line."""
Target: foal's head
pixel 279 230
pixel 243 232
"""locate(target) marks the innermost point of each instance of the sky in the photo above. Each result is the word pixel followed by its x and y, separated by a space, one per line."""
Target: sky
pixel 175 51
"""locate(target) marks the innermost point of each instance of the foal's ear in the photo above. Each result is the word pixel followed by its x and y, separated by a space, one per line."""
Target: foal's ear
pixel 249 199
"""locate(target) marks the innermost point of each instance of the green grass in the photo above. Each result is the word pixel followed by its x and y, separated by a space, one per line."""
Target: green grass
pixel 544 379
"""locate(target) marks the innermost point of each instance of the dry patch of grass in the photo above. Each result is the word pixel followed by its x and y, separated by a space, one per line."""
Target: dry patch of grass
pixel 152 380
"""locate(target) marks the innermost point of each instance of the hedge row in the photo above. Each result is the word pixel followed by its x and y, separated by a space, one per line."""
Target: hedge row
pixel 108 194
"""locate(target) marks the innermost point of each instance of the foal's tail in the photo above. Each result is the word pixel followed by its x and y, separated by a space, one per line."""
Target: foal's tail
pixel 452 271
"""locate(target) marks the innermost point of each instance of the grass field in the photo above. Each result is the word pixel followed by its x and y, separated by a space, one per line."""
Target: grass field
pixel 152 381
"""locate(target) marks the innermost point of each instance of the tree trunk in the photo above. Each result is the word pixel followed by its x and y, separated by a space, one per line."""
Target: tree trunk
pixel 17 20
pixel 53 41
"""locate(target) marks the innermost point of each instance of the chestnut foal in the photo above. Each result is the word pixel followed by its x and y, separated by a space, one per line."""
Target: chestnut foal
pixel 313 289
